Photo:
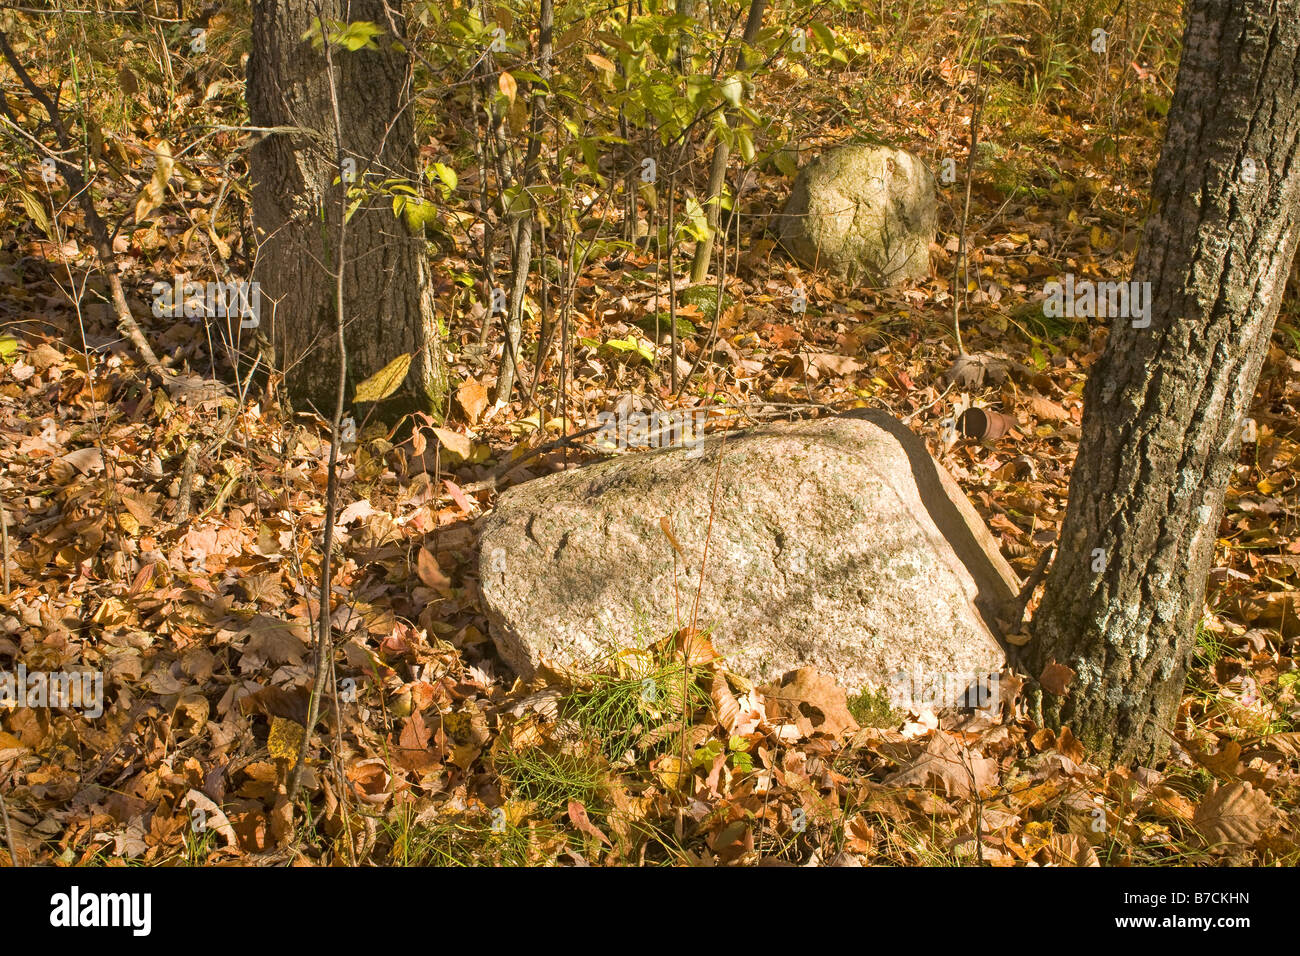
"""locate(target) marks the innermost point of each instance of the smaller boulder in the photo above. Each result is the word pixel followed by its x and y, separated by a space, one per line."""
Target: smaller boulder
pixel 868 213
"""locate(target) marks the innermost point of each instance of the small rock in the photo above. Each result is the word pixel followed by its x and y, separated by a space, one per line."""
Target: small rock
pixel 864 212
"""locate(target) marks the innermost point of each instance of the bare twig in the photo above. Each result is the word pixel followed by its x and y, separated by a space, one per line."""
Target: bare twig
pixel 4 543
pixel 98 230
pixel 970 172
pixel 185 493
pixel 325 636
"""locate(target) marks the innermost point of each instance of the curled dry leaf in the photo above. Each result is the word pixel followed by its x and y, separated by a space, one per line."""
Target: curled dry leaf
pixel 1056 678
pixel 946 766
pixel 970 371
pixel 813 701
pixel 208 816
pixel 725 704
pixel 430 574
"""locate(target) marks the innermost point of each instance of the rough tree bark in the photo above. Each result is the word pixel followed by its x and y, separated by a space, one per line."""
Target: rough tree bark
pixel 389 301
pixel 1164 404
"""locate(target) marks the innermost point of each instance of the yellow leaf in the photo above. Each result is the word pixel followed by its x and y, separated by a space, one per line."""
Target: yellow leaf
pixel 600 63
pixel 386 381
pixel 36 212
pixel 456 444
pixel 285 739
pixel 668 769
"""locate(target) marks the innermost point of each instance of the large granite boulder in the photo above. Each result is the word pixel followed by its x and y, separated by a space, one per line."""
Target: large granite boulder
pixel 838 544
pixel 865 212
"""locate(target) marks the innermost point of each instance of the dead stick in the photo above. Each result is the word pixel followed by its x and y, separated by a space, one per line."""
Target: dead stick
pixel 9 832
pixel 98 231
pixel 4 543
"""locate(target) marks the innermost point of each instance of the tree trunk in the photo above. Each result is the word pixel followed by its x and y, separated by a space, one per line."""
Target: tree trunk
pixel 388 298
pixel 1165 403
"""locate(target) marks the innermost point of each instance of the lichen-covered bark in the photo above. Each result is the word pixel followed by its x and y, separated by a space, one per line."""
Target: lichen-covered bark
pixel 388 299
pixel 1164 404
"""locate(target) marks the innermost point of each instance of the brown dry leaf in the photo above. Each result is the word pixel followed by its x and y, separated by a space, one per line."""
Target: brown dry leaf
pixel 270 639
pixel 155 190
pixel 277 702
pixel 413 752
pixel 945 766
pixel 430 573
pixel 578 814
pixel 1168 804
pixel 209 816
pixel 370 781
pixel 1069 745
pixel 1225 764
pixel 85 460
pixel 1047 410
pixel 1285 745
pixel 1235 813
pixel 1070 849
pixel 859 835
pixel 813 701
pixel 263 588
pixel 282 828
pixel 694 646
pixel 1056 678
pixel 195 708
pixel 472 398
pixel 969 371
pixel 725 704
pixel 836 364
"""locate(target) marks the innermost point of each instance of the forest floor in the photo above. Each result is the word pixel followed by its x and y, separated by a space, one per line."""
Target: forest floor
pixel 200 624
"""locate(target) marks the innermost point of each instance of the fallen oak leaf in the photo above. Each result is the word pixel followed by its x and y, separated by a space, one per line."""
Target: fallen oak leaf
pixel 1234 814
pixel 943 766
pixel 812 700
